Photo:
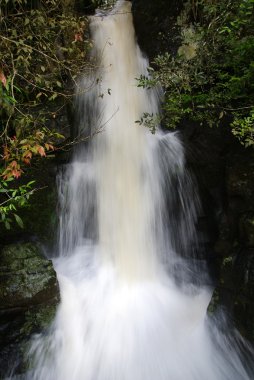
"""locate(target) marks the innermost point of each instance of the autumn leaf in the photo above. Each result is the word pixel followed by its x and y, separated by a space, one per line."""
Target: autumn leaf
pixel 12 170
pixel 27 157
pixel 49 146
pixel 3 78
pixel 6 153
pixel 78 37
pixel 13 164
pixel 26 161
pixel 16 173
pixel 41 151
pixel 27 154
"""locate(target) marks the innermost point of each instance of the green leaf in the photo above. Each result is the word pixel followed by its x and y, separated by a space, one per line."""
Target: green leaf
pixel 19 221
pixel 54 96
pixel 30 183
pixel 7 225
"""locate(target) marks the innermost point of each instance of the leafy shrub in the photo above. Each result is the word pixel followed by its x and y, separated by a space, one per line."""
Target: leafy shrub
pixel 211 79
pixel 43 49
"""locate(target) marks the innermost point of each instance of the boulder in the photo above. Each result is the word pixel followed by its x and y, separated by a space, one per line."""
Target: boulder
pixel 235 291
pixel 29 295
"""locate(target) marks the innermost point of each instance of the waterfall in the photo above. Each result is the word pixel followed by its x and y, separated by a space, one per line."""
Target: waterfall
pixel 130 310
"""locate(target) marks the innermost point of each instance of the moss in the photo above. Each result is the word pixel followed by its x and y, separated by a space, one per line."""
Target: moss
pixel 14 252
pixel 26 276
pixel 214 303
pixel 38 319
pixel 29 295
pixel 227 261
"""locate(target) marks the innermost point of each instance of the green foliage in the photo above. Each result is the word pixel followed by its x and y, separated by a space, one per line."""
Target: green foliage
pixel 14 198
pixel 243 128
pixel 104 4
pixel 211 79
pixel 150 121
pixel 43 48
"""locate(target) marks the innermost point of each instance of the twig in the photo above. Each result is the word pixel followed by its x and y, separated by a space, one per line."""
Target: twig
pixel 80 139
pixel 237 109
pixel 13 77
pixel 21 196
pixel 6 127
pixel 38 51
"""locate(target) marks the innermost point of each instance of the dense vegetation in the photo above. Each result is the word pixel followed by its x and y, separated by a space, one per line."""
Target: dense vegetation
pixel 43 46
pixel 211 79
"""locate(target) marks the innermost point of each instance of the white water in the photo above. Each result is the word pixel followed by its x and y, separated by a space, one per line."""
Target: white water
pixel 128 215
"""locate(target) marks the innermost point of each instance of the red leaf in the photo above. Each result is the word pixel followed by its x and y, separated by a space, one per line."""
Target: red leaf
pixel 3 78
pixel 78 37
pixel 13 164
pixel 27 154
pixel 51 147
pixel 16 173
pixel 41 151
pixel 26 161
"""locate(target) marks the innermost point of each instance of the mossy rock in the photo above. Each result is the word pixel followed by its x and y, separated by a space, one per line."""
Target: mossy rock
pixel 29 295
pixel 235 291
pixel 27 278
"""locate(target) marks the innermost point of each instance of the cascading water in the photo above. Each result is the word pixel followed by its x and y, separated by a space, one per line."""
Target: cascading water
pixel 128 214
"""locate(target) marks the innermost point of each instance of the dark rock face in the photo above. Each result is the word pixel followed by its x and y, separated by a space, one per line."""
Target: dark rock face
pixel 235 248
pixel 225 177
pixel 235 291
pixel 246 228
pixel 29 295
pixel 155 25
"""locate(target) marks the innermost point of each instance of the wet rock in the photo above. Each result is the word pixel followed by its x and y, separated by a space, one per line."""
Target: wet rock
pixel 155 25
pixel 27 277
pixel 29 295
pixel 235 291
pixel 240 199
pixel 235 244
pixel 240 178
pixel 246 229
